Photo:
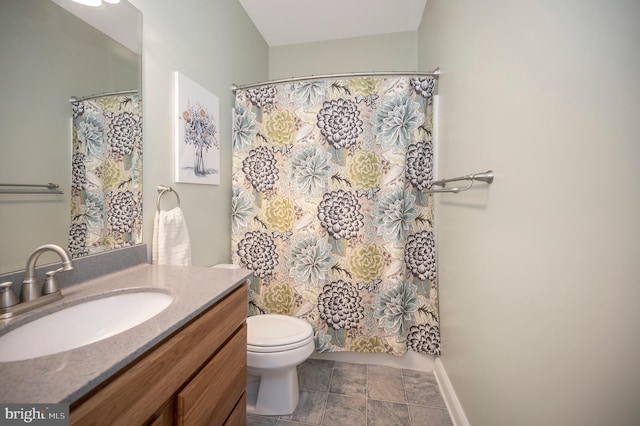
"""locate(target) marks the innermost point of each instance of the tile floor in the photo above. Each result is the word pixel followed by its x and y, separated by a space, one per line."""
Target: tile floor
pixel 340 393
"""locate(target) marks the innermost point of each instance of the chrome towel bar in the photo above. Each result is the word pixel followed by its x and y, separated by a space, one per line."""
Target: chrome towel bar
pixel 486 177
pixel 52 188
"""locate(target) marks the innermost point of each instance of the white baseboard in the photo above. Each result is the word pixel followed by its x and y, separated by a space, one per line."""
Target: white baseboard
pixel 411 360
pixel 449 394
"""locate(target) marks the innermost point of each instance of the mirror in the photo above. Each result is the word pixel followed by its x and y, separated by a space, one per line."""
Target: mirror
pixel 49 54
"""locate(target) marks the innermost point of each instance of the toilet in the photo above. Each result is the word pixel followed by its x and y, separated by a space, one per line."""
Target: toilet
pixel 276 345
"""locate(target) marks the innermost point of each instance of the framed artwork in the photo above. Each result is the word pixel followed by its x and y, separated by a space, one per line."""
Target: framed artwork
pixel 197 141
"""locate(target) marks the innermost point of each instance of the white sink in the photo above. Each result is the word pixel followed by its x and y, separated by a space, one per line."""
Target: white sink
pixel 81 324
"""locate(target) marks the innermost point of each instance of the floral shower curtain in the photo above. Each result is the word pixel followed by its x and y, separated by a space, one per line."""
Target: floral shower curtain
pixel 106 182
pixel 330 212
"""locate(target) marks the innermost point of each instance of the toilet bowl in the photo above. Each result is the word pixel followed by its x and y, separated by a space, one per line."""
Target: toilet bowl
pixel 276 345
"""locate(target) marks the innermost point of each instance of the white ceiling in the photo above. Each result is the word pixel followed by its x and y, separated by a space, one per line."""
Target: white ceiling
pixel 284 22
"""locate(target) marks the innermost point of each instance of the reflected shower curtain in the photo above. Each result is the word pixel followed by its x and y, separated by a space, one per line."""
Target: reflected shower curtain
pixel 329 209
pixel 106 181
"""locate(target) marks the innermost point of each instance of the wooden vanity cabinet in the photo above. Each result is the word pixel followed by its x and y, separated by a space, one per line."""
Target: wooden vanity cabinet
pixel 197 376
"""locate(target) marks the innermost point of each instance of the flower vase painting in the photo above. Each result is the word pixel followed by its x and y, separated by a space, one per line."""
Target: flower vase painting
pixel 197 142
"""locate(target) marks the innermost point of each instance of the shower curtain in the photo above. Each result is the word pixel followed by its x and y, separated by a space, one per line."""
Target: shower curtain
pixel 329 209
pixel 106 181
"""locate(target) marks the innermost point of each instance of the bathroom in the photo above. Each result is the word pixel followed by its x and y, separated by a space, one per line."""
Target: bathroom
pixel 537 275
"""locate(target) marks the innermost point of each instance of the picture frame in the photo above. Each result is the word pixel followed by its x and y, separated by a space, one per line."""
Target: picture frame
pixel 197 134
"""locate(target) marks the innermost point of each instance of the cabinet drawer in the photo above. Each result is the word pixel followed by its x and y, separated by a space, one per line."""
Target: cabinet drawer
pixel 211 396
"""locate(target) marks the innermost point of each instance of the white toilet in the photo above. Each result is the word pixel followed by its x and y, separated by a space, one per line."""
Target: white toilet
pixel 276 345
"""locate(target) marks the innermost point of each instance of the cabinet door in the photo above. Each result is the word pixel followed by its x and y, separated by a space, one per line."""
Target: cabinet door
pixel 166 416
pixel 212 395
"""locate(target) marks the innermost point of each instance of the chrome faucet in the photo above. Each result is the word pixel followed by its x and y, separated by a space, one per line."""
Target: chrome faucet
pixel 31 296
pixel 30 290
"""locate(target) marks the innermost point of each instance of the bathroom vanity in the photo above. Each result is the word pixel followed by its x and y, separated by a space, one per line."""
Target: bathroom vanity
pixel 197 376
pixel 185 366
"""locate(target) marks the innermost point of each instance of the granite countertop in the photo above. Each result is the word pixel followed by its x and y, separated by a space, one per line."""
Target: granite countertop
pixel 67 376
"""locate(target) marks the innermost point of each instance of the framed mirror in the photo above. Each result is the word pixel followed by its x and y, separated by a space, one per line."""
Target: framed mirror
pixel 53 50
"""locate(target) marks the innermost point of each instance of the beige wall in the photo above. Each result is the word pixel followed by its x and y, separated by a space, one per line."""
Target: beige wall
pixel 214 44
pixel 388 52
pixel 540 300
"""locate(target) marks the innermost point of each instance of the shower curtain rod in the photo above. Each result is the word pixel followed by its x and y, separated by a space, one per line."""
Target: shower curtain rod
pixel 74 99
pixel 435 73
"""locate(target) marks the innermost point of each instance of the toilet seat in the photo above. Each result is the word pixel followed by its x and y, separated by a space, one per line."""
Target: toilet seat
pixel 277 333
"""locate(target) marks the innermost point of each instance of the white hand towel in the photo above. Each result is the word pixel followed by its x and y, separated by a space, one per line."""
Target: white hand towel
pixel 171 244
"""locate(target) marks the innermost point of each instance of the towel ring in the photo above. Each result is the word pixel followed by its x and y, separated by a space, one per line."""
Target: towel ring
pixel 161 190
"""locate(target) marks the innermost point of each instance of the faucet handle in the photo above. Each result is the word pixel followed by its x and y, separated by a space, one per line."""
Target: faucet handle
pixel 7 295
pixel 50 283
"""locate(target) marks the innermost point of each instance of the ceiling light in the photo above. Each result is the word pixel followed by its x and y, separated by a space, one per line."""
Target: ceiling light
pixel 113 1
pixel 89 2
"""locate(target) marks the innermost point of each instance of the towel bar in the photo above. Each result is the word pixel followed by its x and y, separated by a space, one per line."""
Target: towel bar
pixel 51 188
pixel 486 177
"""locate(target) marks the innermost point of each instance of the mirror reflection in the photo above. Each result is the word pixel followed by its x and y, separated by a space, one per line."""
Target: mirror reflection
pixel 48 56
